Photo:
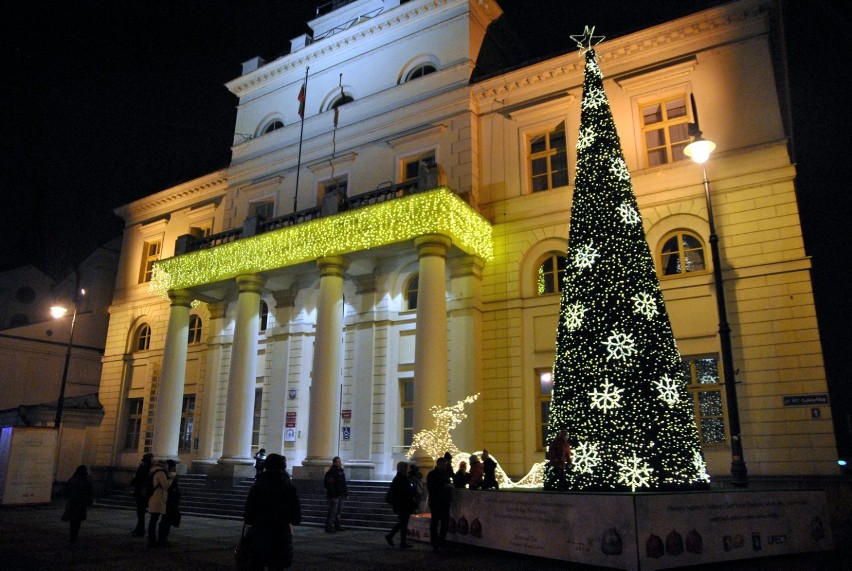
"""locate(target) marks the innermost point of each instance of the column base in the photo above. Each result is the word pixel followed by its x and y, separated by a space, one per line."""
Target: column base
pixel 359 469
pixel 312 468
pixel 227 473
pixel 203 465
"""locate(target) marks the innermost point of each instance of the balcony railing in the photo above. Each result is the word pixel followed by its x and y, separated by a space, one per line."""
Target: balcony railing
pixel 332 204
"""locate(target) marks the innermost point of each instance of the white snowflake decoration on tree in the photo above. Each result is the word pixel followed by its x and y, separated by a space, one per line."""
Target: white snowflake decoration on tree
pixel 645 304
pixel 700 467
pixel 594 98
pixel 667 389
pixel 594 68
pixel 585 138
pixel 585 256
pixel 620 346
pixel 607 398
pixel 619 169
pixel 634 472
pixel 628 213
pixel 573 316
pixel 585 457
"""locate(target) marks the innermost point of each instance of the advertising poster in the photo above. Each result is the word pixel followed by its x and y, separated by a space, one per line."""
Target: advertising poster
pixel 27 456
pixel 583 528
pixel 688 529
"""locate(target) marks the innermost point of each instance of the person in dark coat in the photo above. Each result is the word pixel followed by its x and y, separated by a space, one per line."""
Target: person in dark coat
pixel 258 462
pixel 461 477
pixel 78 491
pixel 402 497
pixel 440 495
pixel 138 482
pixel 172 516
pixel 271 507
pixel 335 488
pixel 489 472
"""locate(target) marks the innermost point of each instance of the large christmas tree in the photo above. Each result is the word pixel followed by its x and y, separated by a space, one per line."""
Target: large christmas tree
pixel 619 394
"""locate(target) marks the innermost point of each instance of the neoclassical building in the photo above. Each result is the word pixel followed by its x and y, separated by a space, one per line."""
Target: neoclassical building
pixel 391 233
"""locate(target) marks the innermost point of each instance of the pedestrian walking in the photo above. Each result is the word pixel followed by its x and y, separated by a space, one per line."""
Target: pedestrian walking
pixel 78 493
pixel 402 496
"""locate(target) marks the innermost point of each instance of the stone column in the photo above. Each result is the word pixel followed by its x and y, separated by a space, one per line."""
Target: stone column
pixel 278 351
pixel 465 321
pixel 242 377
pixel 172 378
pixel 430 351
pixel 206 454
pixel 323 417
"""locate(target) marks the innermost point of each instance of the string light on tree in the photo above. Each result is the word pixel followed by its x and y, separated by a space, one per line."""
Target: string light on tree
pixel 619 387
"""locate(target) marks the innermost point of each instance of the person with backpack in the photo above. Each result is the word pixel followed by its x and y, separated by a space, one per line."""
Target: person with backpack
pixel 402 496
pixel 139 484
pixel 159 483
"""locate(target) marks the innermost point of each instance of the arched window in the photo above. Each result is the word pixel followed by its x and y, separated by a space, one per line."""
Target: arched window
pixel 277 124
pixel 420 71
pixel 194 330
pixel 411 292
pixel 551 273
pixel 682 253
pixel 264 315
pixel 342 99
pixel 143 338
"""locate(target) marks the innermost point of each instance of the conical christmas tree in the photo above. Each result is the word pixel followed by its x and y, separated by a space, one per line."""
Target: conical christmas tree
pixel 619 393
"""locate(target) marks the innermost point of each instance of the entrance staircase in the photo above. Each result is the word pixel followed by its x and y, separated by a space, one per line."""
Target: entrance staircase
pixel 364 509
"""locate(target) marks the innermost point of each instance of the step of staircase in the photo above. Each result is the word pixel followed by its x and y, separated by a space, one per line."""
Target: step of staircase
pixel 365 508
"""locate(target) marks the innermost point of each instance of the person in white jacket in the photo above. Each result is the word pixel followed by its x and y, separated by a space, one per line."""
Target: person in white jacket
pixel 160 482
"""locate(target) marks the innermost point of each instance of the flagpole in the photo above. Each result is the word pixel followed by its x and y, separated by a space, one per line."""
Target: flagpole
pixel 304 95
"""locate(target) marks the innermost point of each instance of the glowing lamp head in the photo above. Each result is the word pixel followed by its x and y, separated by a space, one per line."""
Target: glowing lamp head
pixel 58 311
pixel 699 150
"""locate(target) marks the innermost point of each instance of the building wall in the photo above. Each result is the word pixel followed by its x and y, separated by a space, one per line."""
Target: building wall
pixel 499 330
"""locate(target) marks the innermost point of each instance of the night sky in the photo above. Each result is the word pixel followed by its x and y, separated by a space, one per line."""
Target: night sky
pixel 105 102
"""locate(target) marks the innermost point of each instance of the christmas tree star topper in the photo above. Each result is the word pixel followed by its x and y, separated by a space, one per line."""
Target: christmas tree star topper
pixel 587 40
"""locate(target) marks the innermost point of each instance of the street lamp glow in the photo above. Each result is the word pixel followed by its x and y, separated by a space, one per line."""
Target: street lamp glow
pixel 57 311
pixel 699 150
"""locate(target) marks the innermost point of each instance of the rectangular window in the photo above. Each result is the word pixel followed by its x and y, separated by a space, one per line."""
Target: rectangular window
pixel 334 188
pixel 407 403
pixel 544 382
pixel 263 208
pixel 187 423
pixel 702 377
pixel 255 424
pixel 665 129
pixel 548 159
pixel 133 429
pixel 411 166
pixel 150 254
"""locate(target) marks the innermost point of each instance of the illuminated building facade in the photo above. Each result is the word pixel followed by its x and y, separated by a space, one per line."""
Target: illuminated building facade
pixel 414 256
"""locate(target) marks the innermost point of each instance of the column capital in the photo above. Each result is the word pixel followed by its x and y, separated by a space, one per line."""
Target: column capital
pixel 432 245
pixel 332 266
pixel 181 297
pixel 250 283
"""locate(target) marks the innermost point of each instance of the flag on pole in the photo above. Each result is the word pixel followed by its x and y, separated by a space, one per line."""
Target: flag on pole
pixel 301 99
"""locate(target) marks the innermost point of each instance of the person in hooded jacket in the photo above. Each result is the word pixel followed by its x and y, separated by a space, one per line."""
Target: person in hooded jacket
pixel 158 503
pixel 78 490
pixel 272 507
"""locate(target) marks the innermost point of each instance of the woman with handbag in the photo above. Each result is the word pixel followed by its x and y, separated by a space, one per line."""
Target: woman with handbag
pixel 271 507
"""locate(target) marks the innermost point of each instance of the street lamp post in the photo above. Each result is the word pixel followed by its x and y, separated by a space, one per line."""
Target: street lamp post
pixel 57 311
pixel 699 151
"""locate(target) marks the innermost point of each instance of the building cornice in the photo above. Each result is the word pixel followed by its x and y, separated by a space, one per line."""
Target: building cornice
pixel 670 40
pixel 405 14
pixel 166 201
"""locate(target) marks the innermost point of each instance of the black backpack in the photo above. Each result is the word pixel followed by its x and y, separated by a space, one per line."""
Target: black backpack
pixel 149 485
